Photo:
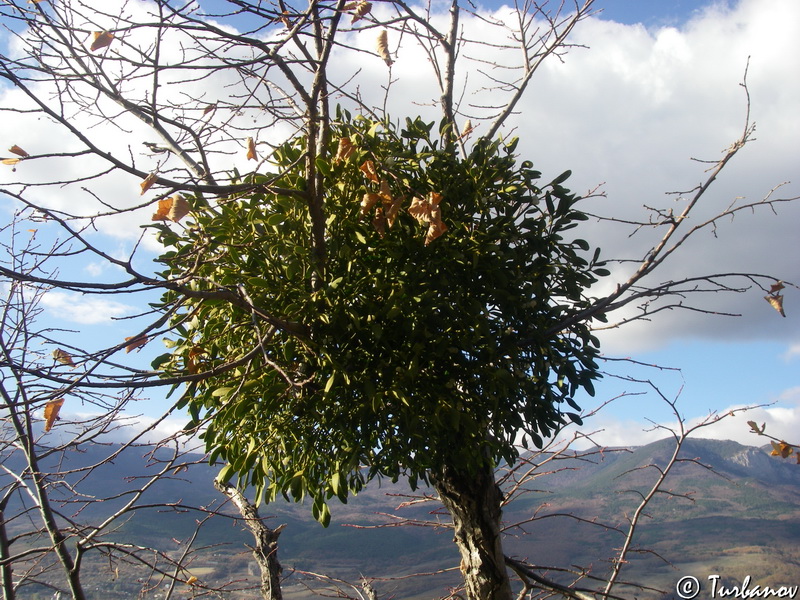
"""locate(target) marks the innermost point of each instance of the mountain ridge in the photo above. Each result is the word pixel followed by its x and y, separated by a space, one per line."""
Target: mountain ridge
pixel 730 507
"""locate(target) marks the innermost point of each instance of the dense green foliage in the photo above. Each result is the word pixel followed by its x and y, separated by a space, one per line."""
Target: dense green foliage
pixel 390 351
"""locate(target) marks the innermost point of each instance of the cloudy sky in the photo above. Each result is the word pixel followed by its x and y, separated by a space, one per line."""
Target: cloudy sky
pixel 655 85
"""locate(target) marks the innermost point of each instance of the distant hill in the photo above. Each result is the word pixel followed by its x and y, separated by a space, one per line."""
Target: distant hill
pixel 742 519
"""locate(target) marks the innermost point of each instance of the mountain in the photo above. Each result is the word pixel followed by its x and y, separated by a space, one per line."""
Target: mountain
pixel 726 509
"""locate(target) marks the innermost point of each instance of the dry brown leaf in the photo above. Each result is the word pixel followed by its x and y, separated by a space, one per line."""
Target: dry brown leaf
pixel 173 209
pixel 192 580
pixel 192 363
pixel 429 212
pixel 209 108
pixel 776 301
pixel 251 149
pixel 135 342
pixel 369 200
pixel 379 222
pixel 781 449
pixel 467 129
pixel 776 287
pixel 368 168
pixel 35 1
pixel 392 210
pixel 18 151
pixel 385 191
pixel 345 150
pixel 434 231
pixel 382 46
pixel 51 410
pixel 148 182
pixel 11 161
pixel 64 357
pixel 101 40
pixel 359 9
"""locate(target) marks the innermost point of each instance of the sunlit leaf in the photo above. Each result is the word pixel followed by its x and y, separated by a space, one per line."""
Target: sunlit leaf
pixel 781 449
pixel 467 129
pixel 18 151
pixel 192 580
pixel 776 287
pixel 148 182
pixel 64 357
pixel 359 9
pixel 135 342
pixel 368 202
pixel 11 161
pixel 172 209
pixel 345 149
pixel 435 229
pixel 382 46
pixel 368 168
pixel 776 301
pixel 51 410
pixel 101 39
pixel 251 149
pixel 193 362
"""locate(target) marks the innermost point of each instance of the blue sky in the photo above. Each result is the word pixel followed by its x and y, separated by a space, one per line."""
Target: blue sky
pixel 657 85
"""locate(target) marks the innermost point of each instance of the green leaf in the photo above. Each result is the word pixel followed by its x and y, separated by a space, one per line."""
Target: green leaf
pixel 226 473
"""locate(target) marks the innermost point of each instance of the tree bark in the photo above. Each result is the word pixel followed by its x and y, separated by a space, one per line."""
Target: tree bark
pixel 266 548
pixel 473 501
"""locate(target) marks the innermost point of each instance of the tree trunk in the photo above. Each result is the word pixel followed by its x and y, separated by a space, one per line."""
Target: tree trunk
pixel 473 500
pixel 266 548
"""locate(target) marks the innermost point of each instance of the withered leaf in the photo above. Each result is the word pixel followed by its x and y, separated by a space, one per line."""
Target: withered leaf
pixel 345 149
pixel 776 287
pixel 192 360
pixel 369 200
pixel 379 223
pixel 51 410
pixel 776 300
pixel 11 161
pixel 427 211
pixel 781 449
pixel 435 229
pixel 192 580
pixel 755 428
pixel 467 129
pixel 148 182
pixel 251 149
pixel 368 168
pixel 101 40
pixel 135 342
pixel 382 46
pixel 18 151
pixel 64 357
pixel 209 108
pixel 359 9
pixel 173 209
pixel 392 210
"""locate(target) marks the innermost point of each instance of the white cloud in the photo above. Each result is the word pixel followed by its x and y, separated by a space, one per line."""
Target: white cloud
pixel 66 306
pixel 792 352
pixel 630 111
